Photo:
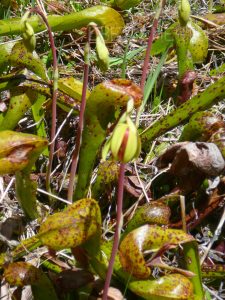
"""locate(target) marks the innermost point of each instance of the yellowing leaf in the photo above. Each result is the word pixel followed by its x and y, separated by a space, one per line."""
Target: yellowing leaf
pixel 18 150
pixel 73 226
pixel 23 273
pixel 147 237
pixel 168 287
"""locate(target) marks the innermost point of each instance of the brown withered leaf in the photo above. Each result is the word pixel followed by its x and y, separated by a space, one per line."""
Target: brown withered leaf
pixel 191 163
pixel 132 186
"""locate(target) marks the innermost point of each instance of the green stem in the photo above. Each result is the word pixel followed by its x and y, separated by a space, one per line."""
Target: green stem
pixel 193 264
pixel 182 37
pixel 104 16
pixel 26 194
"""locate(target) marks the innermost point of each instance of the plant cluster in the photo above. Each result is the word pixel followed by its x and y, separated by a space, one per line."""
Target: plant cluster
pixel 153 252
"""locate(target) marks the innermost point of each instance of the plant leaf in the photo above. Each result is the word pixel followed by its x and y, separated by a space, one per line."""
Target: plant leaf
pixel 21 57
pixel 19 104
pixel 126 4
pixel 38 115
pixel 214 93
pixel 106 17
pixel 26 194
pixel 104 101
pixel 150 213
pixel 73 88
pixel 23 273
pixel 72 227
pixel 168 287
pixel 18 150
pixel 147 237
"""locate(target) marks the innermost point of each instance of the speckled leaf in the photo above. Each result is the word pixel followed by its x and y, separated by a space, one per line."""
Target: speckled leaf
pixel 19 104
pixel 104 101
pixel 201 126
pixel 107 176
pixel 10 81
pixel 5 50
pixel 19 56
pixel 168 287
pixel 73 226
pixel 182 36
pixel 214 93
pixel 23 273
pixel 147 237
pixel 150 213
pixel 199 43
pixel 18 150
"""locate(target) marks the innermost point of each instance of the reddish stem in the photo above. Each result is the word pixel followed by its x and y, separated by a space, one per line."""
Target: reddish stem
pixel 80 125
pixel 147 55
pixel 117 231
pixel 149 46
pixel 54 94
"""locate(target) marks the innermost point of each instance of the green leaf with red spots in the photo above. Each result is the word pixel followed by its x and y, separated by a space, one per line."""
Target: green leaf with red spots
pixel 150 213
pixel 212 94
pixel 201 126
pixel 19 104
pixel 21 57
pixel 168 287
pixel 147 237
pixel 72 227
pixel 22 273
pixel 104 102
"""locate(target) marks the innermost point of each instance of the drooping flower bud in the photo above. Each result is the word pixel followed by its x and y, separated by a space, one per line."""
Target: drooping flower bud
pixel 125 142
pixel 102 53
pixel 28 35
pixel 184 11
pixel 101 49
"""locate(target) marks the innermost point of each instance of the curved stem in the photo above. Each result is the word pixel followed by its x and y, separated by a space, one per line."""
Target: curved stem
pixel 81 120
pixel 117 231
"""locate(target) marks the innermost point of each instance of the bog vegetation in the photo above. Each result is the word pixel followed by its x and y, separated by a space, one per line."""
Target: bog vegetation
pixel 112 180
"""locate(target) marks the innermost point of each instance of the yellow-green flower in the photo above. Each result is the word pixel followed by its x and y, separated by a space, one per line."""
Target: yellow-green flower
pixel 125 143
